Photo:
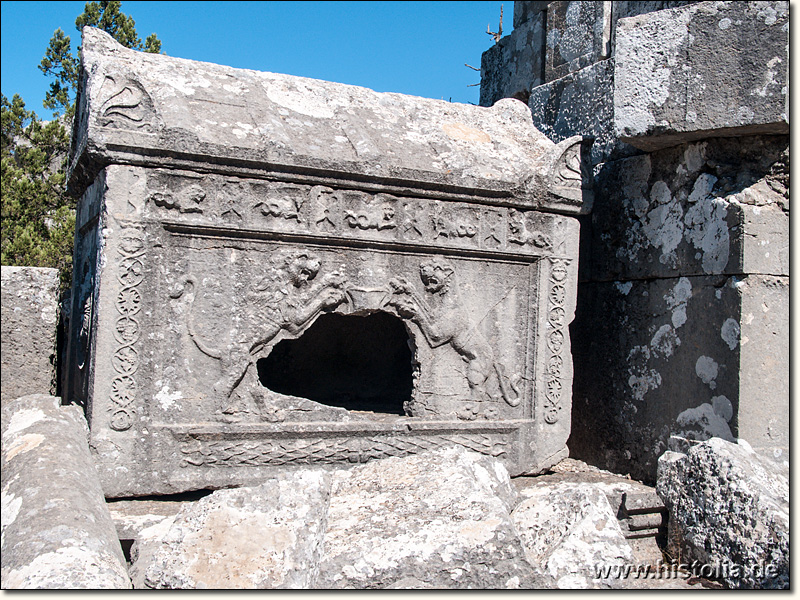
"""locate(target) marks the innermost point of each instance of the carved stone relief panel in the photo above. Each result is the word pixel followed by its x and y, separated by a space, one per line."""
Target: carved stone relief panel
pixel 317 210
pixel 463 319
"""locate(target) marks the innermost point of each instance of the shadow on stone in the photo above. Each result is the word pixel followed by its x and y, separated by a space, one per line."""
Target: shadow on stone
pixel 353 362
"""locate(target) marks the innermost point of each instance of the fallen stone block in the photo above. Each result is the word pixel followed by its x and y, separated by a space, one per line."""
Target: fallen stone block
pixel 248 538
pixel 29 320
pixel 131 517
pixel 704 70
pixel 439 519
pixel 729 510
pixel 57 532
pixel 571 530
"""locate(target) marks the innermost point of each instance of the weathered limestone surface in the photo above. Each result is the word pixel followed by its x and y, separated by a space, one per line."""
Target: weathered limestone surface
pixel 247 538
pixel 56 529
pixel 729 506
pixel 436 520
pixel 523 11
pixel 621 9
pixel 29 320
pixel 131 517
pixel 582 100
pixel 578 35
pixel 238 229
pixel 675 83
pixel 704 208
pixel 286 122
pixel 439 520
pixel 514 65
pixel 570 529
pixel 710 219
pixel 392 524
pixel 764 353
pixel 666 360
pixel 636 507
pixel 703 225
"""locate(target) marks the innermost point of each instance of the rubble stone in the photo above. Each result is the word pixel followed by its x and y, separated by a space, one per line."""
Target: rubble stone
pixel 441 518
pixel 571 530
pixel 247 538
pixel 29 320
pixel 729 509
pixel 57 532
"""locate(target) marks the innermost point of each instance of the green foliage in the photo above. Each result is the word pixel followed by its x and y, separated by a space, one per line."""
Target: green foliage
pixel 38 217
pixel 59 62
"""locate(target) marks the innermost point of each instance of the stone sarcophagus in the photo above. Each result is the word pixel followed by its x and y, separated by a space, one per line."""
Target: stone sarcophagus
pixel 274 271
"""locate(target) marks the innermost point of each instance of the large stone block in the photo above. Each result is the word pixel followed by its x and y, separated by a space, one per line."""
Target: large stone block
pixel 578 35
pixel 523 10
pixel 713 207
pixel 581 103
pixel 763 332
pixel 248 538
pixel 29 331
pixel 657 358
pixel 696 357
pixel 703 70
pixel 57 532
pixel 729 509
pixel 388 524
pixel 512 68
pixel 437 520
pixel 275 271
pixel 622 9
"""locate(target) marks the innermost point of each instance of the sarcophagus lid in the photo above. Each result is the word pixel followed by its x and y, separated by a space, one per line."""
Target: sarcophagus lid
pixel 277 271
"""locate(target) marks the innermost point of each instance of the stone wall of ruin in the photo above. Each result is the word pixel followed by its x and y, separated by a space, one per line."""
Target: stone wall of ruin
pixel 682 319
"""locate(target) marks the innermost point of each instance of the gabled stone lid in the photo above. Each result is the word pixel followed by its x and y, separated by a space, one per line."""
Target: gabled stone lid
pixel 155 110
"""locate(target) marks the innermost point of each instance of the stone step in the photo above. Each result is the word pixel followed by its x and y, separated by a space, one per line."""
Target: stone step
pixel 645 521
pixel 641 503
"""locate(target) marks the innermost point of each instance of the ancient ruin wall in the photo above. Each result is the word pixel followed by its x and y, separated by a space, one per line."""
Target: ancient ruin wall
pixel 682 322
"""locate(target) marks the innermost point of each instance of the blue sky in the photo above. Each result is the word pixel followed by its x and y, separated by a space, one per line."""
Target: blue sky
pixel 416 48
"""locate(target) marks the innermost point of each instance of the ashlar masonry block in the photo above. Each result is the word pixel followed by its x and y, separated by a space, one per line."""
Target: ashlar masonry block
pixel 703 70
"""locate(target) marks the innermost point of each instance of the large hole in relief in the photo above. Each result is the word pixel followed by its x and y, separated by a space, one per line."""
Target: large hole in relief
pixel 362 363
